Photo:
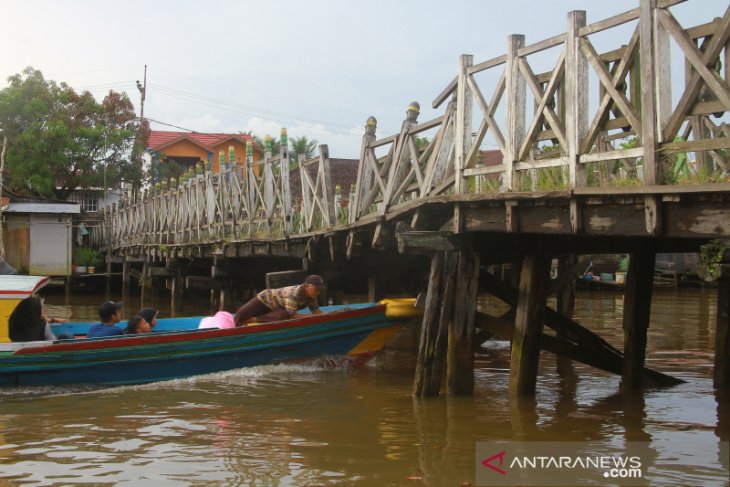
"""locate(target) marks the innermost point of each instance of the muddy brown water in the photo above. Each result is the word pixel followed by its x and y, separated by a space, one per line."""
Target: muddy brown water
pixel 322 423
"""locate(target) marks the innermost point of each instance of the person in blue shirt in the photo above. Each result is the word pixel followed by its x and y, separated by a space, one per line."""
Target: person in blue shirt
pixel 110 314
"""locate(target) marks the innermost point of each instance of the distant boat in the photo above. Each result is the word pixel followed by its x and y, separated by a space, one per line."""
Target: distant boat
pixel 180 349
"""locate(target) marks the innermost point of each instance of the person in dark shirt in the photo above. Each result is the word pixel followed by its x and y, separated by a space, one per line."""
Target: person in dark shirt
pixel 110 314
pixel 281 303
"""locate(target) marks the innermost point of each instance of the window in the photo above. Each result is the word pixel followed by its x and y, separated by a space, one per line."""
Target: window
pixel 89 201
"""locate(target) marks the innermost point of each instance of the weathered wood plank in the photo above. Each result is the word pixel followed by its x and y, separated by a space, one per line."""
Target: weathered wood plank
pixel 460 349
pixel 434 328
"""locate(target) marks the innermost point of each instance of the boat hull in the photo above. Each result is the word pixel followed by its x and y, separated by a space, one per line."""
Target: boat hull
pixel 159 356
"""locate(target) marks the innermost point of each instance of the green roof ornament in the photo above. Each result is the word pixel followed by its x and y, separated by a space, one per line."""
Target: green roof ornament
pixel 284 137
pixel 267 143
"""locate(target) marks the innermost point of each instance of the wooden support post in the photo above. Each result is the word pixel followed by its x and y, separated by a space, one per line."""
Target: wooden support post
pixel 637 311
pixel 649 129
pixel 460 354
pixel 176 304
pixel 566 295
pixel 143 294
pixel 434 328
pixel 108 280
pixel 721 377
pixel 516 104
pixel 376 289
pixel 566 306
pixel 462 135
pixel 528 323
pixel 125 280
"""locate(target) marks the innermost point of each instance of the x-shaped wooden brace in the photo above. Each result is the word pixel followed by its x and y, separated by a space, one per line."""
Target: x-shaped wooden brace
pixel 611 85
pixel 700 62
pixel 619 76
pixel 543 111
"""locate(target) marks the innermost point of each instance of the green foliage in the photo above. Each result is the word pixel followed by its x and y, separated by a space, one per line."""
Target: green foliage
pixel 422 143
pixel 60 140
pixel 86 256
pixel 167 168
pixel 301 145
pixel 711 257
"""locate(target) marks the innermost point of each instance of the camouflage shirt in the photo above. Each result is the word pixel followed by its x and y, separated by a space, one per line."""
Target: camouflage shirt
pixel 290 298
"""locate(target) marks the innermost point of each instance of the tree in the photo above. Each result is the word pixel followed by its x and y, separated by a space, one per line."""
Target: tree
pixel 301 145
pixel 59 140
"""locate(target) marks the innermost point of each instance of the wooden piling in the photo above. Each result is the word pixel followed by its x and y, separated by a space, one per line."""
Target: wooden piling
pixel 637 310
pixel 434 329
pixel 721 376
pixel 176 293
pixel 460 351
pixel 126 267
pixel 143 294
pixel 528 323
pixel 565 305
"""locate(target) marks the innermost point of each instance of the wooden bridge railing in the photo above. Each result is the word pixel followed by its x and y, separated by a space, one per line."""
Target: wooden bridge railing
pixel 634 140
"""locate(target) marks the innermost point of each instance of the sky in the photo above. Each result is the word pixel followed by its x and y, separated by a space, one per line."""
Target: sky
pixel 319 68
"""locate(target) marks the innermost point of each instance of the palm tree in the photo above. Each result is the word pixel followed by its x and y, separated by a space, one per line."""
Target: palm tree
pixel 301 145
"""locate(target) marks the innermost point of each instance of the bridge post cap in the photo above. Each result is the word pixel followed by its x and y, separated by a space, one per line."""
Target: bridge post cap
pixel 371 125
pixel 414 109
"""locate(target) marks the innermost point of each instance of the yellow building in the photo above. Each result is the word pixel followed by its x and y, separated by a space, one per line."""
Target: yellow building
pixel 187 148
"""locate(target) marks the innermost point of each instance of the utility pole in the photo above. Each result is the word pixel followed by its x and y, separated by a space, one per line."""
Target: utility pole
pixel 143 90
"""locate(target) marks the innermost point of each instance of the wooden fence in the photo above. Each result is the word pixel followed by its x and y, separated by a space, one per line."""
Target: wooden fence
pixel 636 140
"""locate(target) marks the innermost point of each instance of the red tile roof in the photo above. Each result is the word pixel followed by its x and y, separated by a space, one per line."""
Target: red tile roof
pixel 159 138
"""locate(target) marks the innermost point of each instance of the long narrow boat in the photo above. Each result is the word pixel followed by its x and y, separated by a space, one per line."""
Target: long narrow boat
pixel 353 330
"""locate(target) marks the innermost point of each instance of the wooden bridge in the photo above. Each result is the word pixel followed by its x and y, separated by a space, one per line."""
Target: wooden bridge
pixel 610 151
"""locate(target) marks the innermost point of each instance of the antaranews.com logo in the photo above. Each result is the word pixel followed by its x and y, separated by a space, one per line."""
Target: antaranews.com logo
pixel 563 463
pixel 520 464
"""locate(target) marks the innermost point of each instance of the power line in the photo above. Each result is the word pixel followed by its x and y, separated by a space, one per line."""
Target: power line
pixel 171 125
pixel 245 108
pixel 325 107
pixel 249 112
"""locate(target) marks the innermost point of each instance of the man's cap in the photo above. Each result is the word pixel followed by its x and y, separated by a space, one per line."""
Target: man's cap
pixel 314 280
pixel 108 308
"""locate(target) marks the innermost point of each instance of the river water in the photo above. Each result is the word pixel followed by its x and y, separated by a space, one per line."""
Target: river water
pixel 322 423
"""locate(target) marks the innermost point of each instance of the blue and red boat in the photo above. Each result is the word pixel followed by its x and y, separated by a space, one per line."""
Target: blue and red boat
pixel 179 349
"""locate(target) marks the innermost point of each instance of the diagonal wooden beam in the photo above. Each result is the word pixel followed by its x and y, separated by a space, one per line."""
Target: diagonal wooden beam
pixel 692 89
pixel 604 107
pixel 605 78
pixel 694 56
pixel 543 109
pixel 488 109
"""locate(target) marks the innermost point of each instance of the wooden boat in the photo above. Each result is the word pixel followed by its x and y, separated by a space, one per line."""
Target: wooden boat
pixel 179 349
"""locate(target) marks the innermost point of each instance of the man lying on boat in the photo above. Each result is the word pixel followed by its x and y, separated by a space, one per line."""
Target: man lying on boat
pixel 281 303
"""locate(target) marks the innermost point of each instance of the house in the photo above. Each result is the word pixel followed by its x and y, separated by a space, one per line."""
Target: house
pixel 187 148
pixel 343 173
pixel 37 234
